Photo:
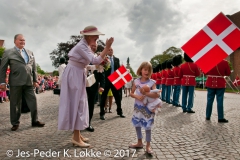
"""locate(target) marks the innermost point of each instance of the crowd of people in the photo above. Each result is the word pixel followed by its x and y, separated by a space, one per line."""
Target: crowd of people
pixel 77 100
pixel 46 83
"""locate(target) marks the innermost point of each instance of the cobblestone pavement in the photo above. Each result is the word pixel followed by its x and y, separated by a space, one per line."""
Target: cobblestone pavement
pixel 176 135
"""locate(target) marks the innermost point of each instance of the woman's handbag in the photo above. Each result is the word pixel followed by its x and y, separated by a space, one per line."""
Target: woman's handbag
pixel 90 80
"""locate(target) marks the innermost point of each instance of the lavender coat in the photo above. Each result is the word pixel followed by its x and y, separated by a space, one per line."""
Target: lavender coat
pixel 73 107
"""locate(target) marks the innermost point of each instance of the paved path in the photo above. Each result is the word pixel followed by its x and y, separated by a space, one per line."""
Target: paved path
pixel 176 135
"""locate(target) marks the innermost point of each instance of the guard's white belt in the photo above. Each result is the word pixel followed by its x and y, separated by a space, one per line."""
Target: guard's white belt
pixel 213 76
pixel 188 76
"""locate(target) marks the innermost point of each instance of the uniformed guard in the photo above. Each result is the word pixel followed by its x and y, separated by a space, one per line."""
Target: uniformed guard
pixel 164 81
pixel 189 71
pixel 154 75
pixel 169 81
pixel 216 85
pixel 159 76
pixel 177 60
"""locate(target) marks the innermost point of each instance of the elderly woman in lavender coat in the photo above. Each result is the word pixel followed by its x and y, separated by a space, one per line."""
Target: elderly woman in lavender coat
pixel 73 107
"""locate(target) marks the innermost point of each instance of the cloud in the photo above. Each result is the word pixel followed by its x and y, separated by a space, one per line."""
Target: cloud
pixel 150 24
pixel 141 28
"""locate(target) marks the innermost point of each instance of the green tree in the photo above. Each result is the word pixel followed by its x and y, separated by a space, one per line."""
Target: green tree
pixel 1 51
pixel 132 72
pixel 55 73
pixel 169 53
pixel 39 70
pixel 230 65
pixel 63 49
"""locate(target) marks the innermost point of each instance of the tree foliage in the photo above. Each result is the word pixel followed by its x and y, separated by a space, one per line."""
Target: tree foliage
pixel 133 73
pixel 168 54
pixel 63 49
pixel 39 70
pixel 1 51
pixel 55 73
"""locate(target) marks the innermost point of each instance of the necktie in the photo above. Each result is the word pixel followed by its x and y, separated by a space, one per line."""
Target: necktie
pixel 112 65
pixel 23 55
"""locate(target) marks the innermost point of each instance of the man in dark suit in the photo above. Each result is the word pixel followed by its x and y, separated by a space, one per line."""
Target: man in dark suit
pixel 22 80
pixel 92 91
pixel 115 64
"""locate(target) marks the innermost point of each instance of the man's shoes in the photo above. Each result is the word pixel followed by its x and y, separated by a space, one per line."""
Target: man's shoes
pixel 15 127
pixel 38 124
pixel 121 115
pixel 102 117
pixel 191 111
pixel 222 121
pixel 184 111
pixel 178 105
pixel 207 119
pixel 90 129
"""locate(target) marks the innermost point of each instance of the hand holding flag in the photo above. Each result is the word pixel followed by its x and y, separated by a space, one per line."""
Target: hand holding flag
pixel 120 77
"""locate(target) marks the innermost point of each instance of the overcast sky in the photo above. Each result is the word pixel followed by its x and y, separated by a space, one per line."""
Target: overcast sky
pixel 141 28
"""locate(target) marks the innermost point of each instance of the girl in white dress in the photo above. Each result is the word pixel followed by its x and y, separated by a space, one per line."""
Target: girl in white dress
pixel 142 116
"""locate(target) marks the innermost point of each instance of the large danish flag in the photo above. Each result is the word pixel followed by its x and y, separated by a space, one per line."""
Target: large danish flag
pixel 120 77
pixel 218 39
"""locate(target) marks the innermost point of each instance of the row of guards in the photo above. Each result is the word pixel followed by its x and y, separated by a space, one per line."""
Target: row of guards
pixel 201 81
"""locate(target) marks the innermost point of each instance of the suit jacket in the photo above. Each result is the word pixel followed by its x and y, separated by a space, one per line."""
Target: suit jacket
pixel 108 72
pixel 21 73
pixel 100 78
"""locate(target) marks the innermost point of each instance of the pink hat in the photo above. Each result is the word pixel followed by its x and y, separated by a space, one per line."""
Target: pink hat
pixel 91 30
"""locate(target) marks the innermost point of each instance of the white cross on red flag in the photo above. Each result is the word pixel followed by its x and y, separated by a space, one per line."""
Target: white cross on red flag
pixel 217 40
pixel 236 81
pixel 120 77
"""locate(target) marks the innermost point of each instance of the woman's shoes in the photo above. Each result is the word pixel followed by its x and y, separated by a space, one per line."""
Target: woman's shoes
pixel 105 110
pixel 84 139
pixel 82 145
pixel 110 111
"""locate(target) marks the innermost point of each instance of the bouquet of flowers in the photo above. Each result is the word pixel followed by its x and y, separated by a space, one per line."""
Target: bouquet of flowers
pixel 105 65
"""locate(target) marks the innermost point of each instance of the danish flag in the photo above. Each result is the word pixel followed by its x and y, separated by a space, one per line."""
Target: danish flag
pixel 236 81
pixel 120 77
pixel 217 40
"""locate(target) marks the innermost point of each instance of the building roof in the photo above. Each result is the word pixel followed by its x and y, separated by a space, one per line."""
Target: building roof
pixel 1 43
